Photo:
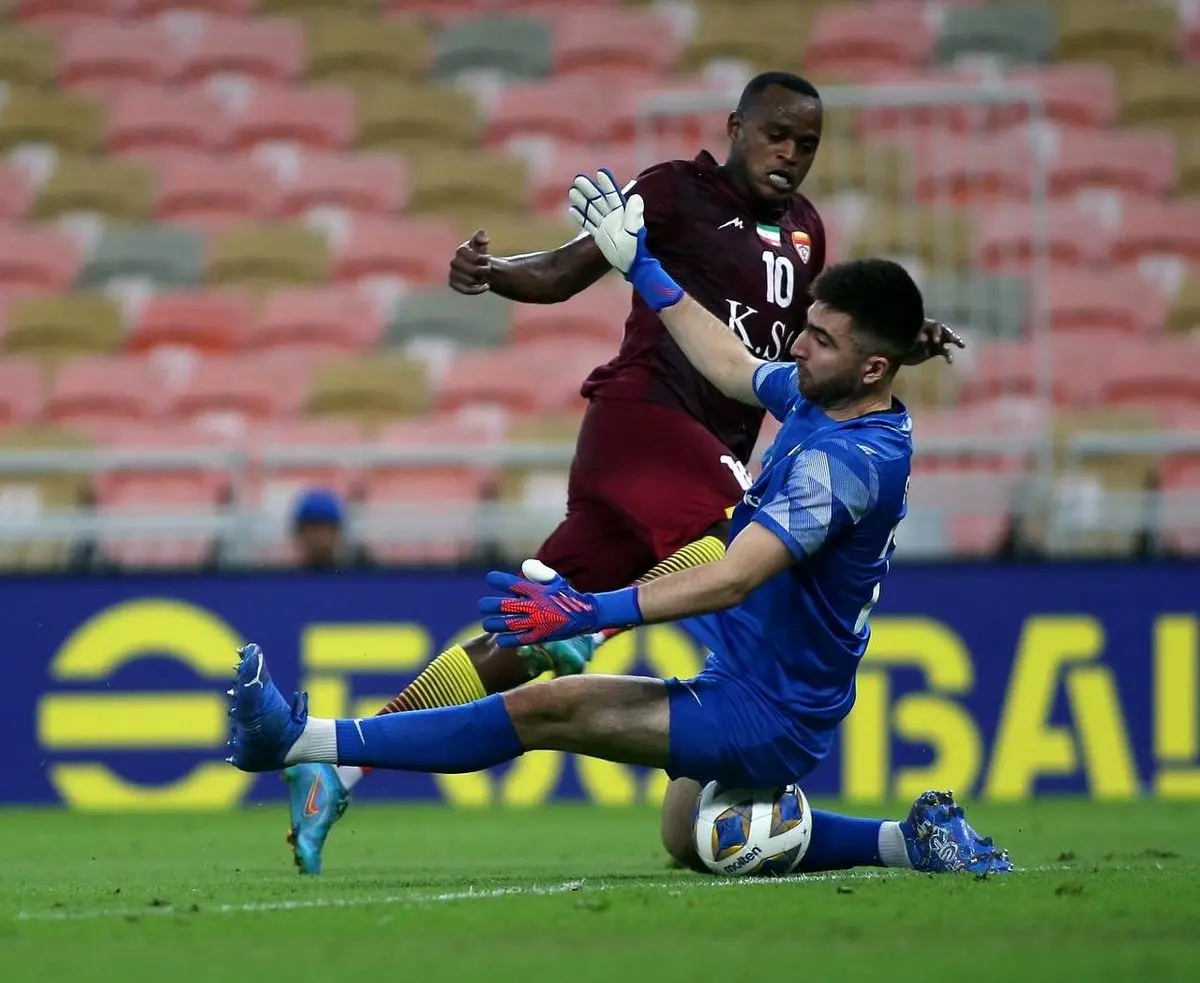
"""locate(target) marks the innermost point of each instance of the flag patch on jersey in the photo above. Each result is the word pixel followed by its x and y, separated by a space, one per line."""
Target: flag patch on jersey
pixel 803 243
pixel 769 234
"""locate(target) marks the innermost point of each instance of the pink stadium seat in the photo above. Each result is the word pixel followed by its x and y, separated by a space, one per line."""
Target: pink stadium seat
pixel 63 14
pixel 597 314
pixel 102 57
pixel 36 259
pixel 417 250
pixel 205 320
pixel 1005 237
pixel 507 378
pixel 1154 228
pixel 683 132
pixel 104 389
pixel 863 41
pixel 971 168
pixel 300 434
pixel 228 8
pixel 268 49
pixel 254 389
pixel 1103 304
pixel 1142 162
pixel 20 391
pixel 569 158
pixel 16 193
pixel 570 108
pixel 614 45
pixel 322 118
pixel 1007 369
pixel 330 318
pixel 1075 94
pixel 147 120
pixel 1165 373
pixel 214 193
pixel 369 184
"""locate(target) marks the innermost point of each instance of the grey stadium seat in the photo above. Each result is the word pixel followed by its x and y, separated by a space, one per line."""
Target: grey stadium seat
pixel 519 47
pixel 171 257
pixel 1021 32
pixel 994 305
pixel 480 322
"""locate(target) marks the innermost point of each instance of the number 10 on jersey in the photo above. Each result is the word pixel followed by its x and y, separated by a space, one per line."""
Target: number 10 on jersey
pixel 781 278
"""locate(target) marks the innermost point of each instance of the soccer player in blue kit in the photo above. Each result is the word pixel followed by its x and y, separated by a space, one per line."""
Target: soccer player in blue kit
pixel 784 613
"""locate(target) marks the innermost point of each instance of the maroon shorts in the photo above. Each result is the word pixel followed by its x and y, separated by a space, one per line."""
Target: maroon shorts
pixel 646 480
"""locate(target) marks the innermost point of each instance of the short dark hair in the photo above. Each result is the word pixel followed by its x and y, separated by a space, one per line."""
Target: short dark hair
pixel 760 83
pixel 884 305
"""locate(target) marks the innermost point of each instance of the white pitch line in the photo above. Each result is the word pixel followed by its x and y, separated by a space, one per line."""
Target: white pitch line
pixel 418 898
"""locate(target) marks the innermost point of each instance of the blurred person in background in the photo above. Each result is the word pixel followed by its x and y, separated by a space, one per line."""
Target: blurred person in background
pixel 319 534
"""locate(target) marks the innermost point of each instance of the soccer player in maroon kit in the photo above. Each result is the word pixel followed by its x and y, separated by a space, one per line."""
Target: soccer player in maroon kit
pixel 661 455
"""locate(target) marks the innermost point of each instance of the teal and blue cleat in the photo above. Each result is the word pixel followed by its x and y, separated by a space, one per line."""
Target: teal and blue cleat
pixel 939 839
pixel 317 800
pixel 265 725
pixel 567 657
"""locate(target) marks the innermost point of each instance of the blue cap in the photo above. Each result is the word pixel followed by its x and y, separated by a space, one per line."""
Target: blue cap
pixel 318 505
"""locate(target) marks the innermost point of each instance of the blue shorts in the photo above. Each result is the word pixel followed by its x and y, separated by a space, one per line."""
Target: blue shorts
pixel 722 731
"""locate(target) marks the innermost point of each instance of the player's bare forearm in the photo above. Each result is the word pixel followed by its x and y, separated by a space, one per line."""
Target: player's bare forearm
pixel 712 348
pixel 550 276
pixel 752 558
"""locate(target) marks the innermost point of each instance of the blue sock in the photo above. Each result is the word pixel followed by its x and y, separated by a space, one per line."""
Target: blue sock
pixel 444 741
pixel 841 842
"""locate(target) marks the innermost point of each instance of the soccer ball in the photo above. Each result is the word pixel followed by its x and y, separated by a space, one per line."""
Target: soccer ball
pixel 743 831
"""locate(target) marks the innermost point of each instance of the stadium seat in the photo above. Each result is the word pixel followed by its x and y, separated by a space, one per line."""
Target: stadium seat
pixel 1074 94
pixel 36 259
pixel 940 239
pixel 1117 33
pixel 414 249
pixel 16 193
pixel 572 108
pixel 1187 159
pixel 208 321
pixel 1142 162
pixel 553 175
pixel 20 391
pixel 338 319
pixel 352 49
pixel 973 169
pixel 262 256
pixel 762 33
pixel 617 46
pixel 1154 228
pixel 210 193
pixel 1184 316
pixel 997 306
pixel 1019 33
pixel 862 41
pixel 113 189
pixel 71 123
pixel 442 313
pixel 156 8
pixel 306 9
pixel 1166 96
pixel 1006 369
pixel 1103 304
pixel 413 117
pixel 266 49
pixel 502 377
pixel 60 14
pixel 516 47
pixel 167 256
pixel 462 185
pixel 102 57
pixel 58 327
pixel 512 236
pixel 254 388
pixel 366 184
pixel 1160 374
pixel 148 121
pixel 1006 238
pixel 845 164
pixel 594 315
pixel 114 388
pixel 319 118
pixel 28 56
pixel 369 388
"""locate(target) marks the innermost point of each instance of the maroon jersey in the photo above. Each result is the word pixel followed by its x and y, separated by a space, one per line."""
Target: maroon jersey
pixel 750 268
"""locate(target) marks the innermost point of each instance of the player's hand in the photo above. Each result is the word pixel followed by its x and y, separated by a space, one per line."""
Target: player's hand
pixel 471 266
pixel 936 340
pixel 537 607
pixel 617 224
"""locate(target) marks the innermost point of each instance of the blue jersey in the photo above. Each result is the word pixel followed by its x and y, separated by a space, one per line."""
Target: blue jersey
pixel 833 492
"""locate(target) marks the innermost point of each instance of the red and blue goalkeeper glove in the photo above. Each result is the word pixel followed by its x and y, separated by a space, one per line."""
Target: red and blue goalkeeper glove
pixel 542 607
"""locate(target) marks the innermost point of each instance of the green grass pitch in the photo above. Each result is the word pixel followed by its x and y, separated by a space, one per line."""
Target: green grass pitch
pixel 581 894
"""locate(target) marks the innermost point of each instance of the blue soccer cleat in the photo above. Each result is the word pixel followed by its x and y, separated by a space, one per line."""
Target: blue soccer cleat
pixel 567 657
pixel 939 840
pixel 265 726
pixel 318 800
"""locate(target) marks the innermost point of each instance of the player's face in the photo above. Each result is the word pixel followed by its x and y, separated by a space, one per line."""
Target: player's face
pixel 774 144
pixel 831 366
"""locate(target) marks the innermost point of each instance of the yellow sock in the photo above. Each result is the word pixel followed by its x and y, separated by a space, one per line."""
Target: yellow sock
pixel 450 680
pixel 708 549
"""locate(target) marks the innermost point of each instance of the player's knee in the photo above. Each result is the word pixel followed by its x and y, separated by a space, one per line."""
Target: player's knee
pixel 547 706
pixel 677 836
